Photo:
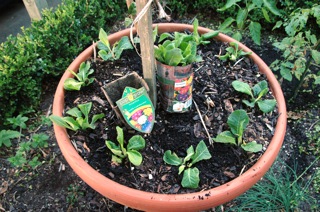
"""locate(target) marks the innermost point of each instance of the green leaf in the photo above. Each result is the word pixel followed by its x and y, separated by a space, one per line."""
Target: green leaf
pixel 202 153
pixel 172 158
pixel 96 117
pixel 267 106
pixel 241 16
pixel 255 31
pixel 237 121
pixel 278 25
pixel 190 153
pixel 265 14
pixel 190 178
pixel 272 7
pixel 115 149
pixel 105 55
pixel 75 112
pixel 173 57
pixel 316 56
pixel 134 157
pixel 225 137
pixel 248 103
pixel 116 159
pixel 285 73
pixel 209 35
pixel 61 122
pixel 6 135
pixel 260 86
pixel 226 23
pixel 136 142
pixel 237 36
pixel 229 4
pixel 103 36
pixel 120 137
pixel 85 108
pixel 73 124
pixel 123 44
pixel 242 87
pixel 252 147
pixel 181 168
pixel 72 84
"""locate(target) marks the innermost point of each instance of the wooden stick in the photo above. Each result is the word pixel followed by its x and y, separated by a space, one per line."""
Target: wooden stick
pixel 34 8
pixel 147 51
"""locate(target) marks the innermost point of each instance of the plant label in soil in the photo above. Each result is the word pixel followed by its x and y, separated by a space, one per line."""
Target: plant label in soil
pixel 137 109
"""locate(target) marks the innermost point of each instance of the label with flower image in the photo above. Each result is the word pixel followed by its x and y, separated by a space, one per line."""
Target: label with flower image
pixel 182 98
pixel 137 109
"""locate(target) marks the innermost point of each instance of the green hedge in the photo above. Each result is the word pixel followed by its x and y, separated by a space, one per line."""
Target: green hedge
pixel 47 47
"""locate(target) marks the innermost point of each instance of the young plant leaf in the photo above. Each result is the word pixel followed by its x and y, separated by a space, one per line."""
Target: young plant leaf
pixel 115 149
pixel 202 153
pixel 72 84
pixel 225 137
pixel 237 121
pixel 172 158
pixel 267 105
pixel 134 157
pixel 252 147
pixel 136 142
pixel 120 137
pixel 255 32
pixel 242 87
pixel 262 85
pixel 7 135
pixel 190 178
pixel 190 153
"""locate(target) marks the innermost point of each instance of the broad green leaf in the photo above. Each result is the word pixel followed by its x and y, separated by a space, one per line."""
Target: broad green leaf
pixel 229 4
pixel 267 106
pixel 103 36
pixel 116 159
pixel 255 31
pixel 237 121
pixel 75 112
pixel 72 84
pixel 257 3
pixel 190 153
pixel 278 25
pixel 271 5
pixel 237 36
pixel 262 93
pixel 134 157
pixel 136 142
pixel 262 85
pixel 252 147
pixel 115 149
pixel 209 35
pixel 226 23
pixel 241 17
pixel 242 87
pixel 172 158
pixel 59 121
pixel 85 108
pixel 83 70
pixel 202 153
pixel 164 36
pixel 225 137
pixel 316 56
pixel 285 73
pixel 265 14
pixel 120 137
pixel 73 124
pixel 181 168
pixel 173 57
pixel 123 44
pixel 96 117
pixel 195 30
pixel 190 178
pixel 105 55
pixel 6 135
pixel 248 103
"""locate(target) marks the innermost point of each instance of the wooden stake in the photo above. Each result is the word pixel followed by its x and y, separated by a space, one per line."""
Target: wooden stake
pixel 34 8
pixel 147 52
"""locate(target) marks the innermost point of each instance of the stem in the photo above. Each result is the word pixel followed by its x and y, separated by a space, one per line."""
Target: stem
pixel 305 73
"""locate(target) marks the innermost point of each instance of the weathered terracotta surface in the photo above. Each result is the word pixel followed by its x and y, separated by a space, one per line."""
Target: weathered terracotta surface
pixel 170 202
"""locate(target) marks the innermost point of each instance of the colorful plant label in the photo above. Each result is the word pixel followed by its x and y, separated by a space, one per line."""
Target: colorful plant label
pixel 137 109
pixel 182 98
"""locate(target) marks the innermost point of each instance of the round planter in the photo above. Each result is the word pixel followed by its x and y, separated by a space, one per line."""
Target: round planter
pixel 170 202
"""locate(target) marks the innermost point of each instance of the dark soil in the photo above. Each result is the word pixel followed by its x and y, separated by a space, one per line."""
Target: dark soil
pixel 53 186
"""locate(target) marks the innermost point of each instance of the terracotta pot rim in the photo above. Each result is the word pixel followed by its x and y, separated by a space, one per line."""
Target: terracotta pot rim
pixel 148 201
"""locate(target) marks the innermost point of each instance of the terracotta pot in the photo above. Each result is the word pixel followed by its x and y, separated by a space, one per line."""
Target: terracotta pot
pixel 171 202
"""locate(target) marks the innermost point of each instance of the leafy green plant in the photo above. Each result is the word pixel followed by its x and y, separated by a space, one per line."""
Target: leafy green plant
pixel 112 53
pixel 74 193
pixel 300 49
pixel 244 20
pixel 233 52
pixel 256 93
pixel 82 78
pixel 238 121
pixel 7 135
pixel 190 177
pixel 18 121
pixel 78 119
pixel 135 144
pixel 180 49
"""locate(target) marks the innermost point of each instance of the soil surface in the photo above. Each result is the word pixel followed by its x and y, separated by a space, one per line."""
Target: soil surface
pixel 53 186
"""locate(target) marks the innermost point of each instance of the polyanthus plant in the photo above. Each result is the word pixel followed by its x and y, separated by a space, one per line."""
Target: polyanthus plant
pixel 237 122
pixel 82 78
pixel 135 144
pixel 233 52
pixel 78 119
pixel 256 93
pixel 190 177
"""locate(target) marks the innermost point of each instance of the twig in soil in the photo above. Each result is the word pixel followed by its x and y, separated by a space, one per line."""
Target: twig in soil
pixel 243 168
pixel 238 62
pixel 203 124
pixel 312 125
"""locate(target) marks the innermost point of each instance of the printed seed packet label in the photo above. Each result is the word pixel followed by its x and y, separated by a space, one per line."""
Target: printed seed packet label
pixel 182 99
pixel 137 109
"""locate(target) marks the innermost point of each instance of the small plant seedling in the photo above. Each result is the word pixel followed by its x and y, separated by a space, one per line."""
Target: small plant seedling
pixel 233 52
pixel 238 121
pixel 135 144
pixel 79 119
pixel 82 78
pixel 7 135
pixel 256 93
pixel 114 53
pixel 19 121
pixel 190 177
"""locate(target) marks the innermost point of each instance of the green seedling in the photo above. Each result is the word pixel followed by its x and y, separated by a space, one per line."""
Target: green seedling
pixel 233 52
pixel 82 78
pixel 112 53
pixel 237 122
pixel 7 135
pixel 78 119
pixel 256 93
pixel 180 49
pixel 190 177
pixel 19 121
pixel 135 144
